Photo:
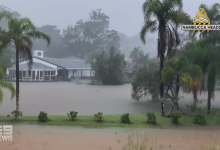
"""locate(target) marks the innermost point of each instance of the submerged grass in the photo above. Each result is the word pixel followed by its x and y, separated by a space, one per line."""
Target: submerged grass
pixel 141 141
pixel 138 120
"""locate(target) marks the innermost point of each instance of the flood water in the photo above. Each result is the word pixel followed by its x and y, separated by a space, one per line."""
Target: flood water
pixel 33 137
pixel 58 98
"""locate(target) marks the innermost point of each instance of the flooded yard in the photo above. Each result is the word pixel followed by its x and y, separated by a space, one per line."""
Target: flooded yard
pixel 58 98
pixel 33 137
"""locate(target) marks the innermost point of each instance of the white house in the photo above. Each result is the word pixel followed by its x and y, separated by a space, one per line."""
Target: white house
pixel 47 68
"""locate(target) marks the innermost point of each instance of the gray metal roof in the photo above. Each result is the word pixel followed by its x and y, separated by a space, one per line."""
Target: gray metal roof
pixel 34 66
pixel 72 57
pixel 70 62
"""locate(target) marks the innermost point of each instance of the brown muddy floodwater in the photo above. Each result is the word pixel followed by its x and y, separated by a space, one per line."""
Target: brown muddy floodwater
pixel 32 137
pixel 58 98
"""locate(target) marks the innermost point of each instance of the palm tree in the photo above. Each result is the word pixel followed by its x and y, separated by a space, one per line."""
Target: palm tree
pixel 20 33
pixel 174 72
pixel 164 17
pixel 5 84
pixel 206 56
pixel 178 73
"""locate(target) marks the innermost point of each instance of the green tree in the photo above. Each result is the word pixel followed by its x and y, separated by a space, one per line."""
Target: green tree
pixel 108 68
pixel 5 84
pixel 56 48
pixel 20 32
pixel 174 72
pixel 139 59
pixel 206 56
pixel 91 35
pixel 179 73
pixel 163 16
pixel 145 81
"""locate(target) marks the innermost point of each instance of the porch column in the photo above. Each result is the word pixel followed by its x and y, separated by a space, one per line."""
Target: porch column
pixel 73 73
pixel 90 73
pixel 81 72
pixel 44 75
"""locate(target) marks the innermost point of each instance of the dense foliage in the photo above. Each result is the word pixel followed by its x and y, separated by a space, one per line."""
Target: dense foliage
pixel 108 68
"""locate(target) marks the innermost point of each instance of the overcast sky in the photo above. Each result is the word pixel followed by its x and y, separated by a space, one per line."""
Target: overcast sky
pixel 125 15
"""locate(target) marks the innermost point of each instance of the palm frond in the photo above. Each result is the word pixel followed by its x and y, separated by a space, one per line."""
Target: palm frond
pixel 146 27
pixel 9 86
pixel 26 25
pixel 150 7
pixel 5 14
pixel 27 41
pixel 38 35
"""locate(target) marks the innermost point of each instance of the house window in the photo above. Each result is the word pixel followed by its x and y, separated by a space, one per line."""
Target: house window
pixel 24 73
pixel 52 73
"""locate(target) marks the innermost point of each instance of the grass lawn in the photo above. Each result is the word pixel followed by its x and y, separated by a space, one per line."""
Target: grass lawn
pixel 138 120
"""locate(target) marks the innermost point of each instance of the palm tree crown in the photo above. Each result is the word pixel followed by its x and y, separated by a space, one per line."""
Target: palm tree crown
pixel 20 32
pixel 163 16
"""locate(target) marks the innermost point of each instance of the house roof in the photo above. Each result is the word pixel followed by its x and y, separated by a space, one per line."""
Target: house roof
pixel 68 62
pixel 34 66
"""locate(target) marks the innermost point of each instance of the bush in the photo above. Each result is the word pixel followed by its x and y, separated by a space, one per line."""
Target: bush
pixel 199 119
pixel 43 117
pixel 72 115
pixel 175 118
pixel 98 117
pixel 151 118
pixel 16 114
pixel 125 119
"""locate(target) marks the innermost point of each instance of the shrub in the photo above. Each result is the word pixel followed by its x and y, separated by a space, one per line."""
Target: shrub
pixel 199 119
pixel 151 118
pixel 43 117
pixel 16 114
pixel 98 116
pixel 125 118
pixel 72 115
pixel 175 118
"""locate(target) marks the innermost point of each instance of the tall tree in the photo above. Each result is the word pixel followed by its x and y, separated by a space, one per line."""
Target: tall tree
pixel 19 33
pixel 108 67
pixel 207 57
pixel 163 16
pixel 179 73
pixel 139 59
pixel 91 35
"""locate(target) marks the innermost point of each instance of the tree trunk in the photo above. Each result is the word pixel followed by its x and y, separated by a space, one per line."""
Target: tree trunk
pixel 209 100
pixel 195 99
pixel 17 78
pixel 177 91
pixel 161 84
pixel 177 106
